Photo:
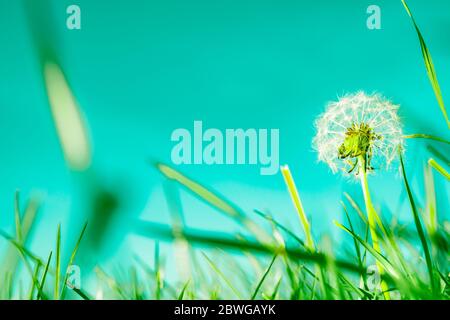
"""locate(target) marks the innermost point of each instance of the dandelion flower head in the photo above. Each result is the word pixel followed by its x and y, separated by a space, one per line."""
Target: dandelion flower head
pixel 359 126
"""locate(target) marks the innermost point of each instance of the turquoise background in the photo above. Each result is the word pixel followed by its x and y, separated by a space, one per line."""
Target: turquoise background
pixel 140 69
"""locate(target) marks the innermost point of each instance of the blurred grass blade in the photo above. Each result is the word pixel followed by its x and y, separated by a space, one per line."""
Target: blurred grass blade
pixel 212 199
pixel 260 283
pixel 157 272
pixel 419 227
pixel 199 190
pixel 430 198
pixel 429 66
pixel 17 217
pixel 23 225
pixel 356 245
pixel 19 247
pixel 439 168
pixel 72 131
pixel 163 232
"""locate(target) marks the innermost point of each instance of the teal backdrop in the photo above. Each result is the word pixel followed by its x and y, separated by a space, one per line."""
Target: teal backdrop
pixel 140 69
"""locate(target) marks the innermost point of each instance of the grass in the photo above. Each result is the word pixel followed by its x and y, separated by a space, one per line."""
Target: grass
pixel 292 270
pixel 266 259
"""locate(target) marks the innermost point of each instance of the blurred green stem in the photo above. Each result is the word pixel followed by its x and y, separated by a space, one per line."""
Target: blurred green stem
pixel 372 217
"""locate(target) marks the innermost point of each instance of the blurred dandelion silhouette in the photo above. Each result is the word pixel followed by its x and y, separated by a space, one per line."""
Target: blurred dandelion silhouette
pixel 359 126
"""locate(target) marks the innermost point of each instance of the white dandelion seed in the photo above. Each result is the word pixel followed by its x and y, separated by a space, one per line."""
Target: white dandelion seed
pixel 359 127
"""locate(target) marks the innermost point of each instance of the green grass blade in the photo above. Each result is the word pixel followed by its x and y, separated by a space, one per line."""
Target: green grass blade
pixel 82 294
pixel 377 255
pixel 58 263
pixel 72 258
pixel 221 275
pixel 426 136
pixel 279 225
pixel 157 272
pixel 273 296
pixel 44 276
pixel 429 66
pixel 33 282
pixel 419 227
pixel 204 193
pixel 21 248
pixel 296 201
pixel 439 168
pixel 183 290
pixel 23 225
pixel 260 283
pixel 212 198
pixel 356 245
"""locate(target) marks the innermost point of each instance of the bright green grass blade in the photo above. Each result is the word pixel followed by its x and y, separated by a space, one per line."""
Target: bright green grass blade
pixel 21 248
pixel 273 296
pixel 183 290
pixel 419 227
pixel 296 201
pixel 439 168
pixel 58 263
pixel 260 283
pixel 429 66
pixel 377 255
pixel 221 275
pixel 210 197
pixel 137 292
pixel 213 199
pixel 71 260
pixel 44 276
pixel 425 136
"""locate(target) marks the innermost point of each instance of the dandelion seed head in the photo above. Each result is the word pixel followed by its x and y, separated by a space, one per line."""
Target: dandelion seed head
pixel 371 120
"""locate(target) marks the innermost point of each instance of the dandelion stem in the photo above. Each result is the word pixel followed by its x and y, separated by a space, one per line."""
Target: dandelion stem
pixel 298 205
pixel 372 217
